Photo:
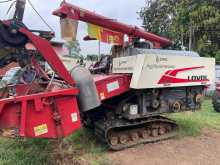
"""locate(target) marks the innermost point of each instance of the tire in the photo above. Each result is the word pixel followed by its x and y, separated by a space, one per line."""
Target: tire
pixel 216 101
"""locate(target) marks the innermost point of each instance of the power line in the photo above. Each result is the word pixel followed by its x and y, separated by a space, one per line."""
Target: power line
pixel 10 7
pixel 6 1
pixel 45 22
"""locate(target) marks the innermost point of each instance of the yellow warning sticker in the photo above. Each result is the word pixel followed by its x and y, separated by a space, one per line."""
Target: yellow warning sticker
pixel 40 130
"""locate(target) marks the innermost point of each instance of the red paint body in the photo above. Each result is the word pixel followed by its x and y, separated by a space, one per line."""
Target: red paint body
pixel 51 114
pixel 30 111
pixel 102 82
pixel 47 51
pixel 77 13
pixel 55 113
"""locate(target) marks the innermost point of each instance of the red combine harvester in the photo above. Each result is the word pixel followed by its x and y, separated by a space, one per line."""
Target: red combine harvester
pixel 124 106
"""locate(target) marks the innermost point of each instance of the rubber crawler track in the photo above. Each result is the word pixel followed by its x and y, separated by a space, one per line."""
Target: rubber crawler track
pixel 126 134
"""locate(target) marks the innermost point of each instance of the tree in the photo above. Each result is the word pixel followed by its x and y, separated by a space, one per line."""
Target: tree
pixel 189 23
pixel 92 57
pixel 74 49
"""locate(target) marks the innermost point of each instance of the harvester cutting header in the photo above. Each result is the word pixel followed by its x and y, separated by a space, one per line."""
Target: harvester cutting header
pixel 122 98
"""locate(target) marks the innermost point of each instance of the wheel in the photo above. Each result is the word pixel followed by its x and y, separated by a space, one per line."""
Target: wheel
pixel 162 130
pixel 145 134
pixel 216 101
pixel 114 140
pixel 134 136
pixel 176 106
pixel 123 138
pixel 168 128
pixel 155 132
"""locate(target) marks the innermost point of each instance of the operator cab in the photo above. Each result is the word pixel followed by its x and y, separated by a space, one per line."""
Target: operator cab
pixel 102 66
pixel 105 63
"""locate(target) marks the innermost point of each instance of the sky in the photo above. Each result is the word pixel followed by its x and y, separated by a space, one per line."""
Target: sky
pixel 123 10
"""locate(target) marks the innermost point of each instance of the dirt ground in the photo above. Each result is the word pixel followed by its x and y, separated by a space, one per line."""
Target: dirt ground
pixel 202 150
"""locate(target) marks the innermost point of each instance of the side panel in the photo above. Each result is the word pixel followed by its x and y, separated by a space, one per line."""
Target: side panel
pixel 109 86
pixel 43 115
pixel 125 64
pixel 158 71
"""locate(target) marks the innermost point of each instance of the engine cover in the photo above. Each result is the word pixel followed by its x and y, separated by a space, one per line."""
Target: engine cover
pixel 166 68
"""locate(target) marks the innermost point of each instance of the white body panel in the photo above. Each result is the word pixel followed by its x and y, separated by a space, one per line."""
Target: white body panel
pixel 158 71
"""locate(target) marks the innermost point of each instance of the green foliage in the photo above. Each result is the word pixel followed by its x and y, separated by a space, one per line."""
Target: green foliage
pixel 85 140
pixel 74 49
pixel 81 147
pixel 84 148
pixel 28 152
pixel 185 20
pixel 92 57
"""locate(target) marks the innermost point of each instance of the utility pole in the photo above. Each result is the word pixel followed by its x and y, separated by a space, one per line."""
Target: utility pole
pixel 99 49
pixel 19 11
pixel 190 36
pixel 190 30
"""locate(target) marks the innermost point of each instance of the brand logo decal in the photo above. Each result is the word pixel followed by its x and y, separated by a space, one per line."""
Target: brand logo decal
pixel 122 62
pixel 170 76
pixel 198 78
pixel 161 59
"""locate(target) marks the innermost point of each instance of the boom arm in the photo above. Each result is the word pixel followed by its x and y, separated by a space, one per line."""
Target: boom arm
pixel 47 51
pixel 67 10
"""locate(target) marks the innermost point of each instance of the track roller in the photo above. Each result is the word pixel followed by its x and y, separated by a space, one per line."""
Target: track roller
pixel 120 134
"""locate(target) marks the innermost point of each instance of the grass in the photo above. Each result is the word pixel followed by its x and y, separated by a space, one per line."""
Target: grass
pixel 192 123
pixel 86 147
pixel 79 148
pixel 24 152
pixel 82 147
